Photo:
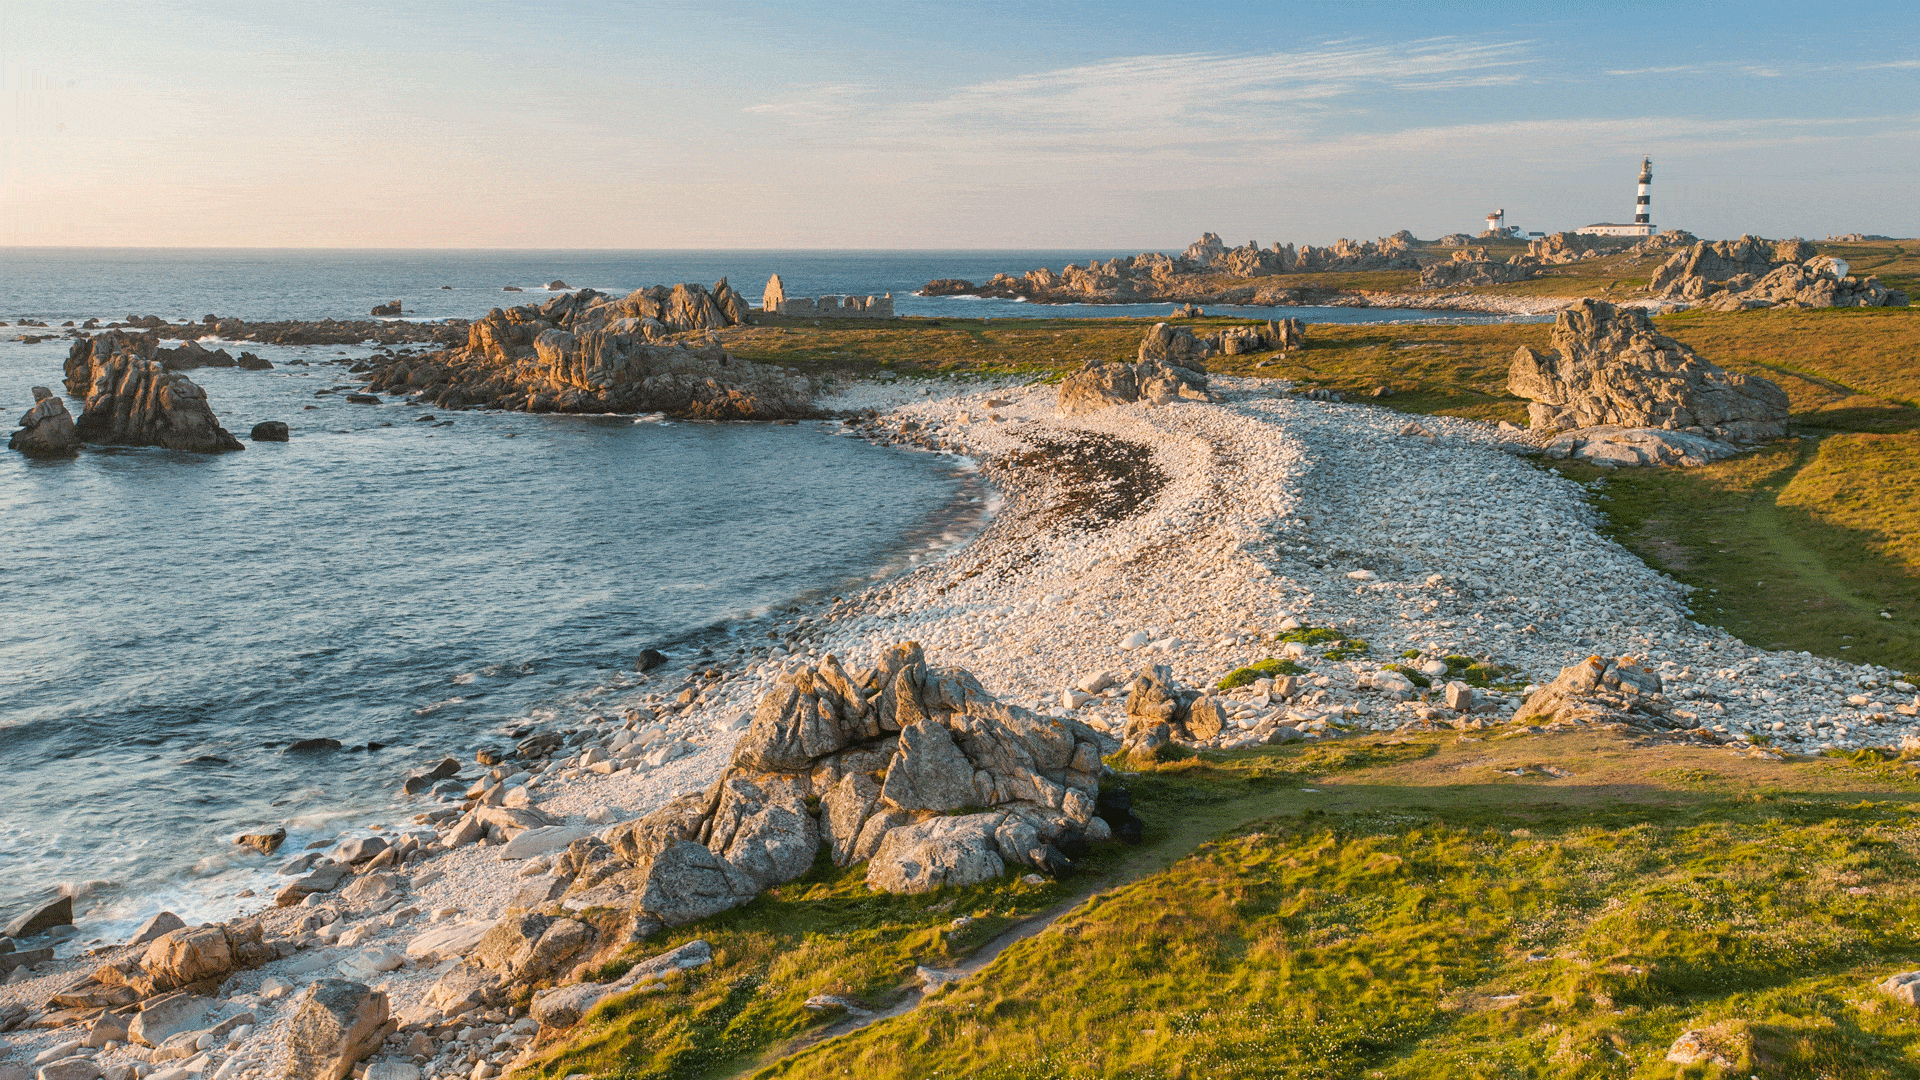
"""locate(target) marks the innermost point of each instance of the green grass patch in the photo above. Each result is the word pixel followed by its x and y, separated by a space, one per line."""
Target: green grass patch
pixel 1264 669
pixel 1398 907
pixel 1413 674
pixel 1415 945
pixel 1782 562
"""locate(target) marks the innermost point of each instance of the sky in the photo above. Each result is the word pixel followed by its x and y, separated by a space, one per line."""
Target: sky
pixel 913 125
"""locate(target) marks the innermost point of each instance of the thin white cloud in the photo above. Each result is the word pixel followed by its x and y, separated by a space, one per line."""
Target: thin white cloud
pixel 814 99
pixel 1906 65
pixel 1132 97
pixel 1678 69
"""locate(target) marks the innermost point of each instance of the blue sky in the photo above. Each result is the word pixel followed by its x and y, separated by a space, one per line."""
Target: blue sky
pixel 911 125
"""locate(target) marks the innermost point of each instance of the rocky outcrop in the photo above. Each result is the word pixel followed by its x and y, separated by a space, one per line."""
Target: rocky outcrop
pixel 132 399
pixel 1565 247
pixel 1609 367
pixel 47 429
pixel 188 957
pixel 807 774
pixel 1751 273
pixel 1171 367
pixel 1159 711
pixel 590 352
pixel 1819 283
pixel 775 301
pixel 1207 271
pixel 1474 268
pixel 1603 692
pixel 1616 446
pixel 913 769
pixel 1705 267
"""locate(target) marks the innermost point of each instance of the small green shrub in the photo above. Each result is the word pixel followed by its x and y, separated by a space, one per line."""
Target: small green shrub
pixel 1414 675
pixel 1410 654
pixel 1266 669
pixel 1348 649
pixel 1310 635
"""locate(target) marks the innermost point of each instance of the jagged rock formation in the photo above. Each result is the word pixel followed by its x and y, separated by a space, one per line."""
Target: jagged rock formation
pixel 1604 692
pixel 1472 267
pixel 1610 368
pixel 590 352
pixel 46 430
pixel 1194 275
pixel 1748 273
pixel 1819 283
pixel 1159 711
pixel 132 399
pixel 1171 366
pixel 1565 247
pixel 913 769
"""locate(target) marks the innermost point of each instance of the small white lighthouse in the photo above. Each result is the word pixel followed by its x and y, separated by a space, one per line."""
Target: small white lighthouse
pixel 1496 223
pixel 1642 210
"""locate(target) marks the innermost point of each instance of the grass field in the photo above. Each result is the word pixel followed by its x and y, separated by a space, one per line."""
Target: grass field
pixel 1544 906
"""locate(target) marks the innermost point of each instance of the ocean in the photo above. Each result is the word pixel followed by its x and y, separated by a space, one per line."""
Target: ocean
pixel 175 619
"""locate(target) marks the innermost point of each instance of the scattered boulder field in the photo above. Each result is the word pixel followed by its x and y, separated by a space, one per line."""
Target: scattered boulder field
pixel 1753 273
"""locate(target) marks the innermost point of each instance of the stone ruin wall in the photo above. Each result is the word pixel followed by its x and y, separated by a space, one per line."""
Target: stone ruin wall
pixel 775 301
pixel 838 307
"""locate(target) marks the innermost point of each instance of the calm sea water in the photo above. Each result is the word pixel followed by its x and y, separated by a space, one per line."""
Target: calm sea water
pixel 378 579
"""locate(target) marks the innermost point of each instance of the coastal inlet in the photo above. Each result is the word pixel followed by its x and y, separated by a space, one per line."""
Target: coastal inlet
pixel 376 580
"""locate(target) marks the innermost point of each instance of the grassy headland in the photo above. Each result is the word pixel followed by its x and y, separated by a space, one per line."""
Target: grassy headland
pixel 1559 905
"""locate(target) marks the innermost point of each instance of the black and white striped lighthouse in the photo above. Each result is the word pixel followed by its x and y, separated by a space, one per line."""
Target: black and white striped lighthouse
pixel 1642 210
pixel 1643 203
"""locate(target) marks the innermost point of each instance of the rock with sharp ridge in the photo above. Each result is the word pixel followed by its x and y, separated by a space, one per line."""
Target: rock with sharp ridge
pixel 134 400
pixel 47 429
pixel 1609 367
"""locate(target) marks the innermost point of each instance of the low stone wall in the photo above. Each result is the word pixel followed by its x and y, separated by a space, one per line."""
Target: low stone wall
pixel 775 301
pixel 838 307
